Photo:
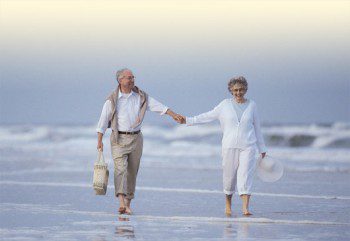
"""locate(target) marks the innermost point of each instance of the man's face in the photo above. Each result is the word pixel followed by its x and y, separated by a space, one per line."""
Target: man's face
pixel 127 80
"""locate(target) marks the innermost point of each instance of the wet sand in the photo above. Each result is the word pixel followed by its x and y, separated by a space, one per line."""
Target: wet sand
pixel 173 204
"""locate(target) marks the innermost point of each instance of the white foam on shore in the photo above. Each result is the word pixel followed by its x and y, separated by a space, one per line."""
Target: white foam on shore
pixel 35 208
pixel 44 170
pixel 209 220
pixel 49 233
pixel 237 220
pixel 254 193
pixel 181 190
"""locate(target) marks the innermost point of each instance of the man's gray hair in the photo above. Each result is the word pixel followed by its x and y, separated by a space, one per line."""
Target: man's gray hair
pixel 237 80
pixel 120 72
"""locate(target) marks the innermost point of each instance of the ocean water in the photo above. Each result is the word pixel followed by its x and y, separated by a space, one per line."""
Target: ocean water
pixel 317 148
pixel 46 194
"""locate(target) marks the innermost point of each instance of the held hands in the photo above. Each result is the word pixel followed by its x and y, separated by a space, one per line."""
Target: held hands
pixel 179 119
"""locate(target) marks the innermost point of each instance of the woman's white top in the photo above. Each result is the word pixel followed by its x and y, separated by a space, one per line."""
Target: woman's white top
pixel 240 108
pixel 236 133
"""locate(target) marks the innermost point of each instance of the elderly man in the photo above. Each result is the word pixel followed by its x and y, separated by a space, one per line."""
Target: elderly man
pixel 123 112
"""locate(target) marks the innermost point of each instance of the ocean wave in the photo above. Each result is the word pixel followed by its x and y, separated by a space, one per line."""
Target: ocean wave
pixel 174 163
pixel 336 135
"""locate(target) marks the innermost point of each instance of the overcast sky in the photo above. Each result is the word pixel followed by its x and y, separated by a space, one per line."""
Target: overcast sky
pixel 58 58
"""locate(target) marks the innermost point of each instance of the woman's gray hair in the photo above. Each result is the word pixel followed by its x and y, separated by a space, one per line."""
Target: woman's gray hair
pixel 237 80
pixel 120 72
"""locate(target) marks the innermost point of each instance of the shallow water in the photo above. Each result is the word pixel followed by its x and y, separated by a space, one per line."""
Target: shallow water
pixel 46 191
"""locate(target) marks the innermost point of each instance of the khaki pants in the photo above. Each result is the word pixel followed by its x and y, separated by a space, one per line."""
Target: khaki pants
pixel 126 155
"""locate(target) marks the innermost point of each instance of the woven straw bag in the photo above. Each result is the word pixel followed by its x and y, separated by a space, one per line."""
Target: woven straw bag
pixel 101 173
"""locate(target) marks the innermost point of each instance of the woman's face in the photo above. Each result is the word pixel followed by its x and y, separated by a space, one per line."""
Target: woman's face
pixel 238 91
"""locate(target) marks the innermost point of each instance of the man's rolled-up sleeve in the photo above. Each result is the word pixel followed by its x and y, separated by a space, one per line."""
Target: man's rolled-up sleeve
pixel 155 106
pixel 105 117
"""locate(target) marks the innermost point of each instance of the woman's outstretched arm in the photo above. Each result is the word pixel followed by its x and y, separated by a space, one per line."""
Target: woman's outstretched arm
pixel 204 117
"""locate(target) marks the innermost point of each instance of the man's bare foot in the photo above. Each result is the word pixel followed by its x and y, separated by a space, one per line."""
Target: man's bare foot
pixel 121 210
pixel 128 210
pixel 127 206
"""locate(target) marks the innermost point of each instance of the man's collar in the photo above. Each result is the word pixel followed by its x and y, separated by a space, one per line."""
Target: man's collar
pixel 120 94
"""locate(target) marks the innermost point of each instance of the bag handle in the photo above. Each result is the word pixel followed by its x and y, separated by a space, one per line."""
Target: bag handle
pixel 100 157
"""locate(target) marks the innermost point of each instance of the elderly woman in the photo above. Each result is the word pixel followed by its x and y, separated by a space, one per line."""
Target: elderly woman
pixel 239 121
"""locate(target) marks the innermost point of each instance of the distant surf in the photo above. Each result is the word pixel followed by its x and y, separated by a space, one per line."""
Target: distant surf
pixel 301 148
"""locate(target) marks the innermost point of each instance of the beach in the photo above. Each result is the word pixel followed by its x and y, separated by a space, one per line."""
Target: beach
pixel 46 186
pixel 61 60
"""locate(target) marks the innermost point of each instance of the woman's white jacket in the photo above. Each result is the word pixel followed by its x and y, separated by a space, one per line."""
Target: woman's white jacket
pixel 236 134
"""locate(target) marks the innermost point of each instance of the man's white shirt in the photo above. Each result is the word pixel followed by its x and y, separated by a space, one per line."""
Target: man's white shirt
pixel 128 109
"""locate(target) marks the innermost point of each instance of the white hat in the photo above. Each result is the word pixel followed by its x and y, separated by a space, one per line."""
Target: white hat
pixel 269 169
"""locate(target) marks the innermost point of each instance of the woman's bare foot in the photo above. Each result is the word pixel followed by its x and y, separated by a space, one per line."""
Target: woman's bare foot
pixel 228 210
pixel 246 213
pixel 245 204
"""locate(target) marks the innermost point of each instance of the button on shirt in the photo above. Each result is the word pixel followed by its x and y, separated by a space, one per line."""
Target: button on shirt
pixel 128 109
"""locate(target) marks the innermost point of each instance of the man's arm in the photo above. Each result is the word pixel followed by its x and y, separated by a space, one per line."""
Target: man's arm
pixel 103 123
pixel 99 141
pixel 156 106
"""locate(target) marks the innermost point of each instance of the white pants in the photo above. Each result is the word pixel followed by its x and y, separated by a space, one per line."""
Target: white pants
pixel 238 168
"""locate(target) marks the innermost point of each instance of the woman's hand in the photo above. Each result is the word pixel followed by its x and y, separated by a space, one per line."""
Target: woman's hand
pixel 263 155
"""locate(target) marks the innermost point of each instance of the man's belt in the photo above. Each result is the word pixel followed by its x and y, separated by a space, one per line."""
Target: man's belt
pixel 129 132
